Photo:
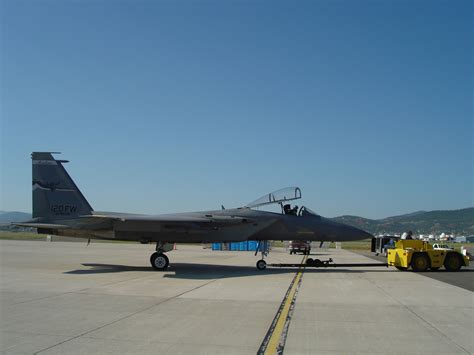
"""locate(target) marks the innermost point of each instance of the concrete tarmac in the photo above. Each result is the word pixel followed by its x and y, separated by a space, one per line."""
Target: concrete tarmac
pixel 464 278
pixel 58 298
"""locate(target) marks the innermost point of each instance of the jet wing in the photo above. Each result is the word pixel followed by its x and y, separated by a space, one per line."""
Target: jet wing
pixel 40 225
pixel 164 218
pixel 169 218
pixel 185 227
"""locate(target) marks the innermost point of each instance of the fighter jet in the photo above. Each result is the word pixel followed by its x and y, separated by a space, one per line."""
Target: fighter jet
pixel 59 208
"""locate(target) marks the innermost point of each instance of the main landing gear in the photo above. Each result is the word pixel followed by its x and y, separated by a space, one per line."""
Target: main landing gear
pixel 262 246
pixel 158 259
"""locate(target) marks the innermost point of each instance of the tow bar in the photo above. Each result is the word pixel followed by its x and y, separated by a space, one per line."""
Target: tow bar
pixel 329 263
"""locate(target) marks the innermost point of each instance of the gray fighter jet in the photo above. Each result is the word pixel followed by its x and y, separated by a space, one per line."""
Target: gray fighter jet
pixel 59 208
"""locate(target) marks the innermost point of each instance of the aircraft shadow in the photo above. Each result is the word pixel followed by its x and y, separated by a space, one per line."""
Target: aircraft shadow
pixel 207 271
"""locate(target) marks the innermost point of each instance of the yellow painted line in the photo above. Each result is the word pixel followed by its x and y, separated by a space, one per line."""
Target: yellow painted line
pixel 274 342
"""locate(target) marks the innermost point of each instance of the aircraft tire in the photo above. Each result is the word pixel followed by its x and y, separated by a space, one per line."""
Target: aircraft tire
pixel 318 263
pixel 261 264
pixel 453 262
pixel 420 262
pixel 159 261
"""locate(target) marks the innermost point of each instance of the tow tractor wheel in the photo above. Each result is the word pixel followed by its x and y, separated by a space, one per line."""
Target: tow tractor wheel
pixel 420 262
pixel 159 261
pixel 318 263
pixel 453 262
pixel 261 264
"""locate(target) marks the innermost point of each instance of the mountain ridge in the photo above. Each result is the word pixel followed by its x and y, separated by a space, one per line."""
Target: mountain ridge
pixel 14 216
pixel 460 221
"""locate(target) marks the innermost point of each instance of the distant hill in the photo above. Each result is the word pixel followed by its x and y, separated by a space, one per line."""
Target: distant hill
pixel 432 222
pixel 7 217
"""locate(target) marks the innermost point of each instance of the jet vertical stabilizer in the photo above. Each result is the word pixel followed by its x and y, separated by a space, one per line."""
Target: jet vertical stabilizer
pixel 55 195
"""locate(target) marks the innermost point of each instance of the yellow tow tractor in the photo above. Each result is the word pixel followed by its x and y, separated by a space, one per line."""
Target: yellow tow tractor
pixel 421 256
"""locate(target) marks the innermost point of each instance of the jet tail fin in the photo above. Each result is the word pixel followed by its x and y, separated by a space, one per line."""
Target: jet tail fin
pixel 55 195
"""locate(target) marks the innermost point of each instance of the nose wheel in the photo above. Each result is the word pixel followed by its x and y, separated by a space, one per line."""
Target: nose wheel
pixel 261 264
pixel 159 261
pixel 262 246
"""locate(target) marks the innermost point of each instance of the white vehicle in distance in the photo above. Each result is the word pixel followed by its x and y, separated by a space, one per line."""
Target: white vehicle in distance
pixel 442 246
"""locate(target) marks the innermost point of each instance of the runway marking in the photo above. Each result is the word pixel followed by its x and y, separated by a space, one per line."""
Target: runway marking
pixel 274 341
pixel 125 317
pixel 429 324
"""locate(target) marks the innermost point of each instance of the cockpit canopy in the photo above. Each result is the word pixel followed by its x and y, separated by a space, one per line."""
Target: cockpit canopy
pixel 305 211
pixel 279 196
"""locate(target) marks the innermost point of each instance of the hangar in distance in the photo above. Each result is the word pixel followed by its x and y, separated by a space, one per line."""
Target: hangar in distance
pixel 59 208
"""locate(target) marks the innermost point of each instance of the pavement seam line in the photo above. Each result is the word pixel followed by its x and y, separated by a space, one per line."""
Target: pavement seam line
pixel 80 290
pixel 125 317
pixel 418 316
pixel 430 274
pixel 411 310
pixel 275 338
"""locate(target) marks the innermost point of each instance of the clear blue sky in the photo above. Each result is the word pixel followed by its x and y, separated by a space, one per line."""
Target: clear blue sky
pixel 168 106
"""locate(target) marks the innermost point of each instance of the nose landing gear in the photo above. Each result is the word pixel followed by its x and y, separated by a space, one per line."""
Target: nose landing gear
pixel 262 246
pixel 261 264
